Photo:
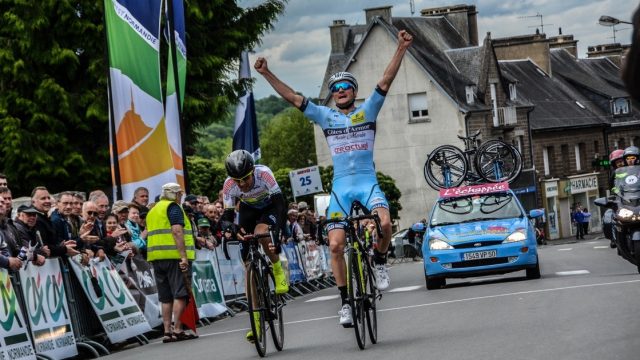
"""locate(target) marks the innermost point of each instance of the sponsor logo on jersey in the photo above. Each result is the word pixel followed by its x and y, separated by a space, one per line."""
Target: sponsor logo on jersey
pixel 357 118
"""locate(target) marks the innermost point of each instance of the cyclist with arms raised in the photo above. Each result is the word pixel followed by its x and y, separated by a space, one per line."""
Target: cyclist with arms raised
pixel 350 133
pixel 261 205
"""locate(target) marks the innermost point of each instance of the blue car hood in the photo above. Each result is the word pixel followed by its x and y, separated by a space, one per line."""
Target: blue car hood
pixel 490 230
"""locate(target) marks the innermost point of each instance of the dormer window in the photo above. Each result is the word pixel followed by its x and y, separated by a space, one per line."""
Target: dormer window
pixel 620 106
pixel 470 91
pixel 512 92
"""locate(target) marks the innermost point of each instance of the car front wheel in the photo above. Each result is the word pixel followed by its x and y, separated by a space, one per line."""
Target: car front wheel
pixel 434 282
pixel 534 272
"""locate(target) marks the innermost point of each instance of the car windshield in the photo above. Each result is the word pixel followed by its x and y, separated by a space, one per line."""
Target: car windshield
pixel 475 208
pixel 628 182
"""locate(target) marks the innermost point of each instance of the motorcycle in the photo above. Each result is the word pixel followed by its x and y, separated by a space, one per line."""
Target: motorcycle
pixel 625 206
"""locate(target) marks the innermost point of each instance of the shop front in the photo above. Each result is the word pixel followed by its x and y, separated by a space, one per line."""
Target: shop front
pixel 575 192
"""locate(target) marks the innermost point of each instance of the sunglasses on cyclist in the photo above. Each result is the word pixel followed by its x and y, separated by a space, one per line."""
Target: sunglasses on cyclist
pixel 243 179
pixel 341 86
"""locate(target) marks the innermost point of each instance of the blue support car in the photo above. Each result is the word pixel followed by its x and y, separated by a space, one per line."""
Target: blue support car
pixel 479 230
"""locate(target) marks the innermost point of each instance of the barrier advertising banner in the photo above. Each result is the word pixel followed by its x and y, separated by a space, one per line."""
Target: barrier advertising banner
pixel 46 306
pixel 118 312
pixel 206 286
pixel 295 269
pixel 142 285
pixel 15 342
pixel 232 270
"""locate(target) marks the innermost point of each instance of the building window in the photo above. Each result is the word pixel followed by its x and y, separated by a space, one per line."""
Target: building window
pixel 517 142
pixel 494 102
pixel 620 106
pixel 512 91
pixel 470 91
pixel 545 159
pixel 620 144
pixel 635 141
pixel 576 149
pixel 566 167
pixel 418 107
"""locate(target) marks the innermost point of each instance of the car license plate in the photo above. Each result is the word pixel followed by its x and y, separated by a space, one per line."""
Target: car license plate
pixel 477 255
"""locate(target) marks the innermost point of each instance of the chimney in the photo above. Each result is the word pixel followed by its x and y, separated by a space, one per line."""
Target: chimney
pixel 564 42
pixel 464 18
pixel 383 11
pixel 338 31
pixel 534 47
pixel 614 52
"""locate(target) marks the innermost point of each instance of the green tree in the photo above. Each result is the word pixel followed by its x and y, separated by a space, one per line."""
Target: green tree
pixel 53 100
pixel 207 176
pixel 287 142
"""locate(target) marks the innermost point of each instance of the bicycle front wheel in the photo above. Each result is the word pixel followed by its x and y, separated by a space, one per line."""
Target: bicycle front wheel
pixel 498 161
pixel 445 167
pixel 257 305
pixel 370 304
pixel 276 321
pixel 355 291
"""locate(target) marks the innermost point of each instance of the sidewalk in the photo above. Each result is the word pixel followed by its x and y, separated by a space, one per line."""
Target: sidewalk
pixel 572 239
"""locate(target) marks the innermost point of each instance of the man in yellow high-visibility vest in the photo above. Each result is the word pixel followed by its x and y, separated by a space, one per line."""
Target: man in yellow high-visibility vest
pixel 170 248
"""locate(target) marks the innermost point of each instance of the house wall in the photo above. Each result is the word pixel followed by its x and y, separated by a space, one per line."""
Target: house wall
pixel 401 147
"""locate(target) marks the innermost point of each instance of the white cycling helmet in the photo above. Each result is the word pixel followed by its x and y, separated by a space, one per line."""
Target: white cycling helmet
pixel 342 76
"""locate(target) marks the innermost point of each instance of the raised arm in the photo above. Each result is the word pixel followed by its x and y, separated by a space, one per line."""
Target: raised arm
pixel 404 41
pixel 281 88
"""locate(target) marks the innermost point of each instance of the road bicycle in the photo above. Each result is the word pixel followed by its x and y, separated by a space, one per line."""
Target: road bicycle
pixel 361 282
pixel 494 161
pixel 265 306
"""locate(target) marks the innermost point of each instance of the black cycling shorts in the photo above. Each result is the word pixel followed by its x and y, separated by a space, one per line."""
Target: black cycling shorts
pixel 250 217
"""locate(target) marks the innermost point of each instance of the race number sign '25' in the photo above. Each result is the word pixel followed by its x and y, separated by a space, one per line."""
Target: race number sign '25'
pixel 305 181
pixel 15 342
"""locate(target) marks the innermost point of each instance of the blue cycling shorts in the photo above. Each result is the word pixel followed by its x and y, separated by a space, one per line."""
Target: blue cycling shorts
pixel 346 189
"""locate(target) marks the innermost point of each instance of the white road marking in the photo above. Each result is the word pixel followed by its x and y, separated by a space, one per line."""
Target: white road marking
pixel 447 302
pixel 406 288
pixel 565 249
pixel 601 247
pixel 323 298
pixel 572 272
pixel 592 242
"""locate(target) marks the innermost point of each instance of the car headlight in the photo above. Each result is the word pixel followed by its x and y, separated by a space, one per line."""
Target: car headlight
pixel 437 244
pixel 625 213
pixel 518 235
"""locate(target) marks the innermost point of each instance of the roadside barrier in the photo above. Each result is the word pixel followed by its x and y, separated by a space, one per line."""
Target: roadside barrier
pixel 64 309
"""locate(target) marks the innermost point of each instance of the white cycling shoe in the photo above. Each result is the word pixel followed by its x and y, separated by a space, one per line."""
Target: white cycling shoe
pixel 345 315
pixel 382 277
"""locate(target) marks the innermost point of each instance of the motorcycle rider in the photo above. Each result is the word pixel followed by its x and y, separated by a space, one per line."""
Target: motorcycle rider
pixel 616 161
pixel 631 155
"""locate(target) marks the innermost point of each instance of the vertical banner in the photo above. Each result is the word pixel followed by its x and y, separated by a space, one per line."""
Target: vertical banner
pixel 295 269
pixel 118 312
pixel 245 131
pixel 173 109
pixel 205 285
pixel 15 342
pixel 136 111
pixel 48 314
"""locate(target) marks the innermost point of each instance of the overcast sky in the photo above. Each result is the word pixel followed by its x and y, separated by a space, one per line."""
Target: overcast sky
pixel 298 47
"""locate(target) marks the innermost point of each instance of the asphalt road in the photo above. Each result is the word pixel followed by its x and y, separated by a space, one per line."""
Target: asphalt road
pixel 584 307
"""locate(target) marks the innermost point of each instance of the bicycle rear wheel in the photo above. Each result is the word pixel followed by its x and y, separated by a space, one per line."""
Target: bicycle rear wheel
pixel 497 161
pixel 355 291
pixel 370 304
pixel 276 321
pixel 445 167
pixel 257 304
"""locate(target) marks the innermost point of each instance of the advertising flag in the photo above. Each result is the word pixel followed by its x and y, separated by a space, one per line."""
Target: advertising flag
pixel 138 128
pixel 245 132
pixel 172 111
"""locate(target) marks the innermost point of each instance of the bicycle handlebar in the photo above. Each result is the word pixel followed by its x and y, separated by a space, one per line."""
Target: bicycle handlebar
pixel 247 237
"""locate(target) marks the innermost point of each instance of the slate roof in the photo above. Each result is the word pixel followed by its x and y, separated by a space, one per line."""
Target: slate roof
pixel 588 74
pixel 554 98
pixel 433 37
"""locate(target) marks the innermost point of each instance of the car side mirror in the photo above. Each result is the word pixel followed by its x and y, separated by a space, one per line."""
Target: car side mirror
pixel 535 213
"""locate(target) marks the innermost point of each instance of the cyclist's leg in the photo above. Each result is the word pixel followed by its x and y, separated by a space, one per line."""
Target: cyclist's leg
pixel 268 218
pixel 336 235
pixel 377 202
pixel 247 220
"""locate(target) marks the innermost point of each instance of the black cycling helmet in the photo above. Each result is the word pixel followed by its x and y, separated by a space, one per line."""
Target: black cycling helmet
pixel 342 76
pixel 239 164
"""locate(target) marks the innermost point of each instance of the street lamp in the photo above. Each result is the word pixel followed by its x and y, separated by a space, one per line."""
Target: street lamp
pixel 606 20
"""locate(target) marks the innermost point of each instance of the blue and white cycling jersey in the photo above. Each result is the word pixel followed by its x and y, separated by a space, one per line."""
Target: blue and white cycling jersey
pixel 350 137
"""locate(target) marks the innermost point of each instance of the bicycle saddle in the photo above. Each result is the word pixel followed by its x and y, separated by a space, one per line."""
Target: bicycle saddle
pixel 471 137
